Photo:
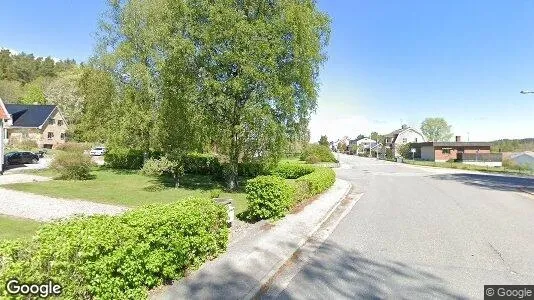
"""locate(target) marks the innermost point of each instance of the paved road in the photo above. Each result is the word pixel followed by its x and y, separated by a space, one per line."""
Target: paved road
pixel 420 233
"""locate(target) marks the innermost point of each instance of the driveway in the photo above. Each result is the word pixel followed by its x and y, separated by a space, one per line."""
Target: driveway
pixel 43 163
pixel 419 233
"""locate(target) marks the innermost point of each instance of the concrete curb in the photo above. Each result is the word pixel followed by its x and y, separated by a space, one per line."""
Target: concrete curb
pixel 252 294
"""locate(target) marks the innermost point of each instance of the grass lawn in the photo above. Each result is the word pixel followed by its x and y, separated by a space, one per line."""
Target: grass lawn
pixel 127 188
pixel 12 228
pixel 455 165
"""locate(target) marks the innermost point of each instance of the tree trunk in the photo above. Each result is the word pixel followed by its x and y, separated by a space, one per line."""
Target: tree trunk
pixel 176 181
pixel 234 161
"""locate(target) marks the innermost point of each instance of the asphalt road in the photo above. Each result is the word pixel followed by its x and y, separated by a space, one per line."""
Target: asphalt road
pixel 419 233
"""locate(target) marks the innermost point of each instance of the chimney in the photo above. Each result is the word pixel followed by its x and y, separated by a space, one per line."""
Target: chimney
pixel 458 138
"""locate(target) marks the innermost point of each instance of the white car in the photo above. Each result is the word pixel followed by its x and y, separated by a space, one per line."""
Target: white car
pixel 98 151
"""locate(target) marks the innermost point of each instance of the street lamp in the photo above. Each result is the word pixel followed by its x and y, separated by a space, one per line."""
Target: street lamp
pixel 527 92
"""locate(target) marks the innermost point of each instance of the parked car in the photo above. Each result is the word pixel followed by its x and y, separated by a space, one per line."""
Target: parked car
pixel 20 158
pixel 98 151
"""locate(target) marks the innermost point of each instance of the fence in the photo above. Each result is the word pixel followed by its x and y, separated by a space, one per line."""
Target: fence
pixel 482 157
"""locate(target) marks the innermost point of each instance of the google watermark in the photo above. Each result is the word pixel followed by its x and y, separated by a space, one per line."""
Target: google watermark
pixel 509 292
pixel 43 290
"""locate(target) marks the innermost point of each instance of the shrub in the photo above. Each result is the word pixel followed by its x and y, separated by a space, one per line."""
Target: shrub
pixel 202 164
pixel 318 181
pixel 269 197
pixel 164 166
pixel 322 153
pixel 104 257
pixel 25 145
pixel 124 158
pixel 72 165
pixel 73 146
pixel 292 171
pixel 253 169
pixel 312 159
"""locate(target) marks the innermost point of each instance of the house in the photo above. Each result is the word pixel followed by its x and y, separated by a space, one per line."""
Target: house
pixel 4 118
pixel 366 143
pixel 401 136
pixel 523 158
pixel 475 153
pixel 43 124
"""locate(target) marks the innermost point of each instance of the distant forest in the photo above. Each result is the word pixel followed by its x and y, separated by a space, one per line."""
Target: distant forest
pixel 517 145
pixel 25 78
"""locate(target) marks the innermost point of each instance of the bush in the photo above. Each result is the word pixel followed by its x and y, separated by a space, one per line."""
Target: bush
pixel 25 145
pixel 73 146
pixel 292 171
pixel 322 153
pixel 202 164
pixel 318 181
pixel 313 159
pixel 124 158
pixel 253 169
pixel 105 257
pixel 269 197
pixel 164 166
pixel 72 165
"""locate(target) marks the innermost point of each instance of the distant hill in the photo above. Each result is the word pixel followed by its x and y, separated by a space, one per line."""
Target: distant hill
pixel 513 145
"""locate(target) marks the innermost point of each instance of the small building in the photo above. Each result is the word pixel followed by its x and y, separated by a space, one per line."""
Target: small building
pixel 401 136
pixel 4 118
pixel 43 124
pixel 476 153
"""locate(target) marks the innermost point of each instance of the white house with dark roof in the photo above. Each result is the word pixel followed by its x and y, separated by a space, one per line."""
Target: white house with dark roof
pixel 43 124
pixel 401 136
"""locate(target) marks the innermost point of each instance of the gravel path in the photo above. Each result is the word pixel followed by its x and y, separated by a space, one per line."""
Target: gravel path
pixel 20 178
pixel 44 208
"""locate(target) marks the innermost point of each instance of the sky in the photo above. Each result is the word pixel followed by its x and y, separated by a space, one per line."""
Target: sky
pixel 389 62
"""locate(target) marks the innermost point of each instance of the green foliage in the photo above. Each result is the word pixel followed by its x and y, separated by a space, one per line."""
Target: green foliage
pixel 292 171
pixel 341 147
pixel 10 90
pixel 389 154
pixel 318 181
pixel 518 145
pixel 436 130
pixel 26 145
pixel 324 141
pixel 124 158
pixel 323 153
pixel 269 197
pixel 404 150
pixel 313 159
pixel 244 76
pixel 72 165
pixel 202 164
pixel 73 146
pixel 104 257
pixel 253 168
pixel 33 93
pixel 164 166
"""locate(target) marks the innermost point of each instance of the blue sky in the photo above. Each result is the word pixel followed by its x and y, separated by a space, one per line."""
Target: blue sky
pixel 390 62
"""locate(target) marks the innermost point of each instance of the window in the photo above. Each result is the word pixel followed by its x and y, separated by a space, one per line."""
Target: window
pixel 446 150
pixel 62 134
pixel 50 135
pixel 59 122
pixel 51 121
pixel 416 140
pixel 404 140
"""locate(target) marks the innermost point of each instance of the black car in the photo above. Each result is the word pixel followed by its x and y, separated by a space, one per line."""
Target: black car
pixel 20 158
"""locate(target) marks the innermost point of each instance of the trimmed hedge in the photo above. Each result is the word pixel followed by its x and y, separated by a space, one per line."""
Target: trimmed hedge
pixel 269 197
pixel 317 153
pixel 107 257
pixel 253 169
pixel 292 171
pixel 124 158
pixel 202 164
pixel 318 181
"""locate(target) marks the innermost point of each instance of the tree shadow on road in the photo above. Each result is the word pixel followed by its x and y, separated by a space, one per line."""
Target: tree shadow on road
pixel 331 273
pixel 493 182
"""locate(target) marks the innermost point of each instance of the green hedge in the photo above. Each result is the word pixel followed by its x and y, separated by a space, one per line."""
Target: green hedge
pixel 292 170
pixel 107 257
pixel 269 197
pixel 202 164
pixel 253 169
pixel 124 158
pixel 318 181
pixel 317 153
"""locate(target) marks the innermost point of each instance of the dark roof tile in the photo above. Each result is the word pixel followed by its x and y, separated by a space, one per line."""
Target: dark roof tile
pixel 29 115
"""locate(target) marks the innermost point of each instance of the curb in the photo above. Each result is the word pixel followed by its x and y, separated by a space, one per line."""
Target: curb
pixel 254 293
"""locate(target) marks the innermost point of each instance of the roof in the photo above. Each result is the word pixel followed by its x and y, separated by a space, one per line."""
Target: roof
pixel 455 144
pixel 395 132
pixel 4 114
pixel 29 115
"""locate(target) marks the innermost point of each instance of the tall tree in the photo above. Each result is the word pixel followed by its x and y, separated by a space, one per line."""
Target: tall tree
pixel 436 130
pixel 324 141
pixel 251 67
